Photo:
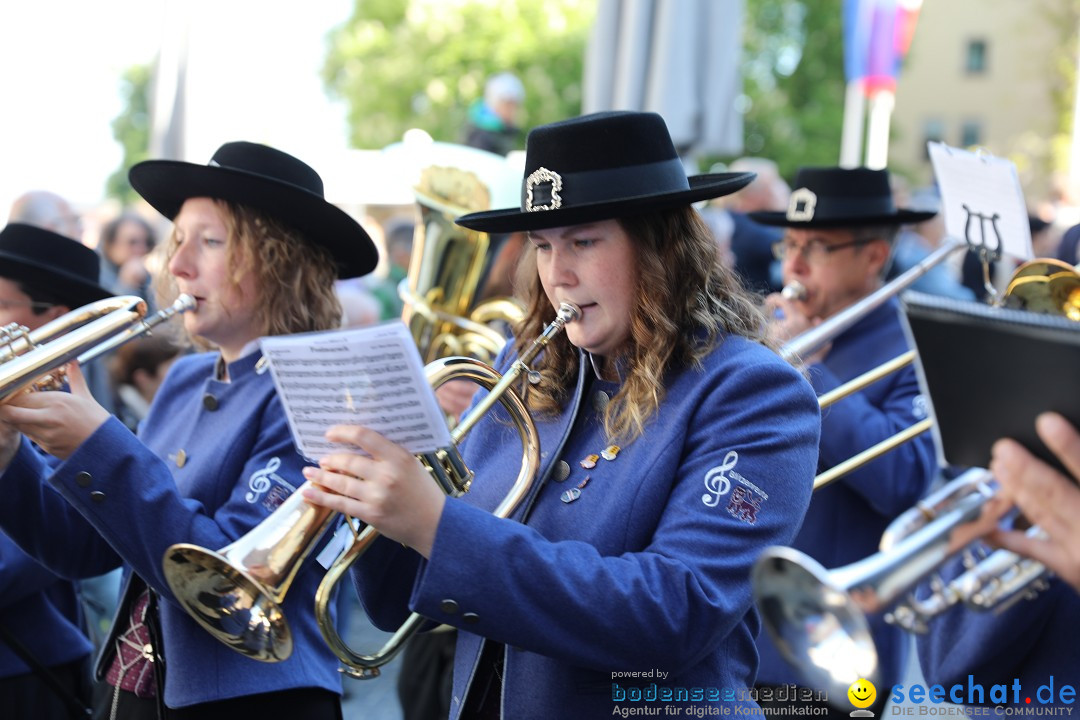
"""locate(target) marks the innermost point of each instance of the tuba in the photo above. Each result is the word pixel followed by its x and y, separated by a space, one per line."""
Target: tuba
pixel 818 618
pixel 35 359
pixel 445 307
pixel 235 592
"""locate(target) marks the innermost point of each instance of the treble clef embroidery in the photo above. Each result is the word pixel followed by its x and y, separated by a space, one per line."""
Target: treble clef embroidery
pixel 716 481
pixel 260 480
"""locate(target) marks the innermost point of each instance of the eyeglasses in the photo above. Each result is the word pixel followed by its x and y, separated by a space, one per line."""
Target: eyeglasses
pixel 814 250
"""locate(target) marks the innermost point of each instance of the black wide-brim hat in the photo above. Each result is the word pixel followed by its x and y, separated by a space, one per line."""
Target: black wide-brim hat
pixel 599 167
pixel 833 197
pixel 65 268
pixel 269 181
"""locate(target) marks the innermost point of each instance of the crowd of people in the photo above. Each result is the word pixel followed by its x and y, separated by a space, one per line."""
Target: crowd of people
pixel 677 441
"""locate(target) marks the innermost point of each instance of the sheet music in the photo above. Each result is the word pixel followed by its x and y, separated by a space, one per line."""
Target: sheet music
pixel 370 376
pixel 974 189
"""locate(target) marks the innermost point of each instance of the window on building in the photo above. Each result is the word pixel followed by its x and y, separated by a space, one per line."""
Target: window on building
pixel 933 131
pixel 975 62
pixel 970 134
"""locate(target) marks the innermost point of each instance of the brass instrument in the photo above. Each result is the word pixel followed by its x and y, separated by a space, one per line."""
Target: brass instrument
pixel 447 269
pixel 814 338
pixel 35 359
pixel 817 617
pixel 235 592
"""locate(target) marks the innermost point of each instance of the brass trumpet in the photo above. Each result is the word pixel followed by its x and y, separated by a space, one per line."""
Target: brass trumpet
pixel 34 359
pixel 235 592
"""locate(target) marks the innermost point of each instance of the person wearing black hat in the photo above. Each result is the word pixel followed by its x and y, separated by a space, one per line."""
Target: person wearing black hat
pixel 44 648
pixel 258 247
pixel 838 231
pixel 676 445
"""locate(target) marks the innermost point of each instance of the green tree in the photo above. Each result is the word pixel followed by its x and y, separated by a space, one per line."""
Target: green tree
pixel 793 80
pixel 132 130
pixel 401 64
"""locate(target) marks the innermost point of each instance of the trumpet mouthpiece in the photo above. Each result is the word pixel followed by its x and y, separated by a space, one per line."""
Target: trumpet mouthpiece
pixel 793 291
pixel 568 312
pixel 184 303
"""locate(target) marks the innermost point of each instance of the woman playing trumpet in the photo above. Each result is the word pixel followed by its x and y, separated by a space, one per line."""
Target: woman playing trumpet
pixel 676 445
pixel 258 247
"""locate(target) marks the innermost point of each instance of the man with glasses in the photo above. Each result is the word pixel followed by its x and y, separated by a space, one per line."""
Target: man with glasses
pixel 44 651
pixel 838 232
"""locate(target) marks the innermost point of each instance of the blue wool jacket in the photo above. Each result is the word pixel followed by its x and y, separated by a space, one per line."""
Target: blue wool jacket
pixel 847 519
pixel 215 459
pixel 641 584
pixel 1031 643
pixel 40 610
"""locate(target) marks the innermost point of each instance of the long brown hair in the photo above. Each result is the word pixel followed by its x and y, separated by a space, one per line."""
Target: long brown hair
pixel 294 278
pixel 686 301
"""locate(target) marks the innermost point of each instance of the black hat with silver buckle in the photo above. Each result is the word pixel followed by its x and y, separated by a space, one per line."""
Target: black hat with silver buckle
pixel 841 197
pixel 599 167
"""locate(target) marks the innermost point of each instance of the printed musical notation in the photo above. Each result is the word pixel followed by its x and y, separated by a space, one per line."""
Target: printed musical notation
pixel 369 376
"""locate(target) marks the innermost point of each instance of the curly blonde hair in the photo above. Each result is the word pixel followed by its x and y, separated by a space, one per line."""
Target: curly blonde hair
pixel 686 302
pixel 294 278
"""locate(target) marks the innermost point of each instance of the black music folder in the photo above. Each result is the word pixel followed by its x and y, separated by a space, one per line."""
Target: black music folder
pixel 987 372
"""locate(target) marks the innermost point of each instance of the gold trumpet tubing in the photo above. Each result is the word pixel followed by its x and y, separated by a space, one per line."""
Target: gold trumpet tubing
pixel 499 308
pixel 363 666
pixel 870 454
pixel 450 479
pixel 479 333
pixel 852 386
pixel 814 338
pixel 866 379
pixel 567 312
pixel 35 360
pixel 58 342
pixel 182 304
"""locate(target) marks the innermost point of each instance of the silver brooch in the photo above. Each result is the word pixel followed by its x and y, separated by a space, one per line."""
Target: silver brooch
pixel 807 200
pixel 543 175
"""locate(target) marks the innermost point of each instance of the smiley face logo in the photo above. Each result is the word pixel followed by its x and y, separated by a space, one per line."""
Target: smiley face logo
pixel 862 693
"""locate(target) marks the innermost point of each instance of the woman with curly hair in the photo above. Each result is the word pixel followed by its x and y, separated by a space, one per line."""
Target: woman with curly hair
pixel 258 247
pixel 675 444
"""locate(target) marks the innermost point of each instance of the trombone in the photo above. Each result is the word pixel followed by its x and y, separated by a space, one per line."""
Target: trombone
pixel 814 338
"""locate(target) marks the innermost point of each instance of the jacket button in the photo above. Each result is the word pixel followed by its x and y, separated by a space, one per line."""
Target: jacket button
pixel 210 402
pixel 562 471
pixel 449 606
pixel 600 401
pixel 97 496
pixel 83 479
pixel 470 618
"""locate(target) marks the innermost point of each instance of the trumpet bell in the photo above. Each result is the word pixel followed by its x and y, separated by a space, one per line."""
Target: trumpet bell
pixel 1045 285
pixel 810 616
pixel 229 603
pixel 235 593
